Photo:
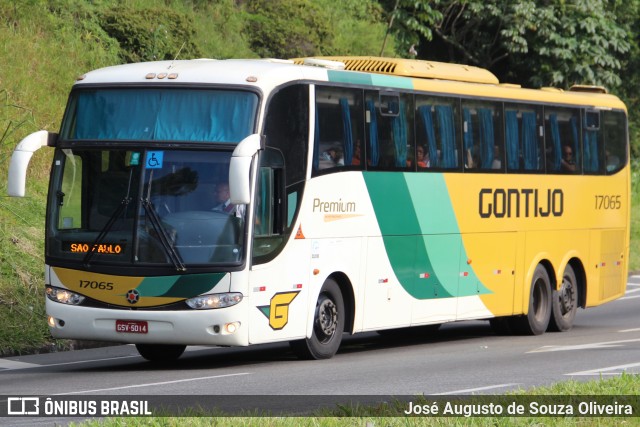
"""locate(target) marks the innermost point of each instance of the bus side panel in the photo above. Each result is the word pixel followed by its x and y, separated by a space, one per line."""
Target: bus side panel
pixel 612 279
pixel 493 257
pixel 439 278
pixel 386 303
pixel 280 292
pixel 338 258
pixel 606 278
pixel 559 218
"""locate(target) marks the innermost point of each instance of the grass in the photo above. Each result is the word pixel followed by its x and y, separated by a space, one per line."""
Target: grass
pixel 21 275
pixel 624 389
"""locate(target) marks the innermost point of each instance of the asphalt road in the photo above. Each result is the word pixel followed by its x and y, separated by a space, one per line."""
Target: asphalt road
pixel 461 358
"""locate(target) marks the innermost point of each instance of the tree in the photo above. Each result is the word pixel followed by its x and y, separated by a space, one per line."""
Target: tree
pixel 628 14
pixel 358 26
pixel 410 21
pixel 287 28
pixel 533 43
pixel 553 42
pixel 566 43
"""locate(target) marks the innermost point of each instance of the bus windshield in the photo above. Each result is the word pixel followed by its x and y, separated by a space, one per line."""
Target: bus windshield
pixel 144 207
pixel 152 114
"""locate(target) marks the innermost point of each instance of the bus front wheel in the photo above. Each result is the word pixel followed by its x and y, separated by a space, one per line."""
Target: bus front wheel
pixel 536 321
pixel 159 352
pixel 565 302
pixel 328 325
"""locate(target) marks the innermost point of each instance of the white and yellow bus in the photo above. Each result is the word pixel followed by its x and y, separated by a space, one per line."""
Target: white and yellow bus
pixel 367 194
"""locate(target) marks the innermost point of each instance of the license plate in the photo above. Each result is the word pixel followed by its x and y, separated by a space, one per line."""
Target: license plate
pixel 132 326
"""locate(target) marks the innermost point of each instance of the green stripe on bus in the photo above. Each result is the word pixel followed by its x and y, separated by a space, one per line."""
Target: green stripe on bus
pixel 391 81
pixel 420 234
pixel 370 79
pixel 179 286
pixel 349 77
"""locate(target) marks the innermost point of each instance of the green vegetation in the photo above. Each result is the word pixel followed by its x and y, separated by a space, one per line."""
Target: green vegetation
pixel 634 250
pixel 391 414
pixel 46 44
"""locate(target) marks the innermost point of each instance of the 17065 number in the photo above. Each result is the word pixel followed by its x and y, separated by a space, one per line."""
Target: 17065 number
pixel 92 284
pixel 609 201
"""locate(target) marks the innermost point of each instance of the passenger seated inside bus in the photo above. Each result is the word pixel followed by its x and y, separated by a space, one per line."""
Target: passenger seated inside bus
pixel 497 158
pixel 357 152
pixel 332 157
pixel 422 157
pixel 567 163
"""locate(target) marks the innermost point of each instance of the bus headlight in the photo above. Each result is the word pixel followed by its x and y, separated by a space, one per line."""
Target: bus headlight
pixel 63 296
pixel 206 302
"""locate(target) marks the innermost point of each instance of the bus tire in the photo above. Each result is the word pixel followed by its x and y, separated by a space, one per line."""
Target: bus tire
pixel 564 302
pixel 328 325
pixel 160 352
pixel 536 321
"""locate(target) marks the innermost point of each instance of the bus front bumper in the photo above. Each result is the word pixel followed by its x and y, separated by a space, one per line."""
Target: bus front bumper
pixel 224 326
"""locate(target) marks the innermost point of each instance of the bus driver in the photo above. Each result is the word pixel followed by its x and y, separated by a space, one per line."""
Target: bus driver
pixel 224 202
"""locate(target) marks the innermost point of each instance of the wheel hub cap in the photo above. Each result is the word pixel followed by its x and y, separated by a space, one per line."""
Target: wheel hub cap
pixel 327 318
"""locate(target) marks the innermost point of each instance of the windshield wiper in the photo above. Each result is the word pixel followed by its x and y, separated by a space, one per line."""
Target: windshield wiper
pixel 162 235
pixel 107 227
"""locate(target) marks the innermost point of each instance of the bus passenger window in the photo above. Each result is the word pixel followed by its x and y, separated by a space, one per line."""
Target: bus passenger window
pixel 615 140
pixel 482 136
pixel 562 142
pixel 593 156
pixel 389 122
pixel 436 124
pixel 524 138
pixel 338 128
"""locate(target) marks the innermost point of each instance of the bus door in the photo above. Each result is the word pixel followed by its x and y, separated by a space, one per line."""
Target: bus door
pixel 278 296
pixel 279 275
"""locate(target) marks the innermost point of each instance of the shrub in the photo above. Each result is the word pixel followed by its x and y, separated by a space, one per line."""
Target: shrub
pixel 288 28
pixel 150 34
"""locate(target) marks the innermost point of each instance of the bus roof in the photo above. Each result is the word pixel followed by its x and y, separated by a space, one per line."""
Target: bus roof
pixel 392 73
pixel 252 72
pixel 411 68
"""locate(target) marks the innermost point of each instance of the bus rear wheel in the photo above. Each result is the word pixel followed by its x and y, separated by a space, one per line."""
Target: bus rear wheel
pixel 160 352
pixel 565 302
pixel 328 325
pixel 536 321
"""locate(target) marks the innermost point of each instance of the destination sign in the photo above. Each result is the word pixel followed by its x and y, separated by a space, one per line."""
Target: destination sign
pixel 102 248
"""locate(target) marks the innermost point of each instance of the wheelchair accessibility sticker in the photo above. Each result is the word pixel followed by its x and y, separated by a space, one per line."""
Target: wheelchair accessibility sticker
pixel 154 159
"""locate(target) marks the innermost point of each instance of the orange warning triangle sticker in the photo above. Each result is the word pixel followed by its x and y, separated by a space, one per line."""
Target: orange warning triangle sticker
pixel 299 234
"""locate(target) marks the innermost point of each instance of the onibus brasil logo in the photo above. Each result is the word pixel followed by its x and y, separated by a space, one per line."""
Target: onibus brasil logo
pixel 278 311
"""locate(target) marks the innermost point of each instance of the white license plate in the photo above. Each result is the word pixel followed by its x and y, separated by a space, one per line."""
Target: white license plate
pixel 132 326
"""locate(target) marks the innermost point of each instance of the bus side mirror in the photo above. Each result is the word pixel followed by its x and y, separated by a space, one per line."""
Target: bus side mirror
pixel 22 156
pixel 240 168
